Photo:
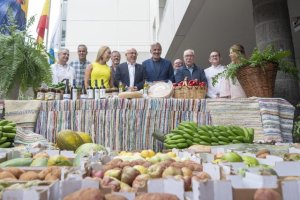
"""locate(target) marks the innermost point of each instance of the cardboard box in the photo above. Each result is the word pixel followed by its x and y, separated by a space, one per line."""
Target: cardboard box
pixel 44 191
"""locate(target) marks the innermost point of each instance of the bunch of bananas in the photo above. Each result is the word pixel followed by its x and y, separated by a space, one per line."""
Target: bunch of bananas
pixel 7 133
pixel 188 133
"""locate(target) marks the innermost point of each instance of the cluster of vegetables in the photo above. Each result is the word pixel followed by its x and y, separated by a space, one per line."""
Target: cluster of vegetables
pixel 58 86
pixel 52 173
pixel 122 175
pixel 188 133
pixel 7 133
pixel 190 83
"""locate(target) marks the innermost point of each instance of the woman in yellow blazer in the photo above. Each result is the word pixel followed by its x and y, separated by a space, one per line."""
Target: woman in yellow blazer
pixel 99 69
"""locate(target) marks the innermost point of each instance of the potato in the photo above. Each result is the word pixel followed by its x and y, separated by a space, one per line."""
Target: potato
pixel 86 194
pixel 51 177
pixel 53 170
pixel 114 197
pixel 41 155
pixel 157 196
pixel 15 171
pixel 266 194
pixel 6 174
pixel 28 176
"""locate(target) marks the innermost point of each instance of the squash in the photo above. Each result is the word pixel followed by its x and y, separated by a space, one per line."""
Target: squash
pixel 85 137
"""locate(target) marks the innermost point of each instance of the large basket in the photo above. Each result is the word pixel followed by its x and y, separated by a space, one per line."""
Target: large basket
pixel 258 81
pixel 189 92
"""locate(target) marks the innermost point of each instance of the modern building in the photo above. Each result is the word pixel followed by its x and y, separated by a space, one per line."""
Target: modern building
pixel 202 25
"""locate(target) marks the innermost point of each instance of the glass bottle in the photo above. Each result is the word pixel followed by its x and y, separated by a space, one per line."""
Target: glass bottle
pixel 102 89
pixel 83 94
pixel 90 91
pixel 74 90
pixel 146 87
pixel 67 92
pixel 96 90
pixel 121 87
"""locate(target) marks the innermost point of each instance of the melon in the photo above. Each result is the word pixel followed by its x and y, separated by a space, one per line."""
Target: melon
pixel 86 148
pixel 68 140
pixel 85 137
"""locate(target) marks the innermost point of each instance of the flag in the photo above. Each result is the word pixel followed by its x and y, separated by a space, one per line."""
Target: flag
pixel 12 13
pixel 24 6
pixel 55 38
pixel 43 22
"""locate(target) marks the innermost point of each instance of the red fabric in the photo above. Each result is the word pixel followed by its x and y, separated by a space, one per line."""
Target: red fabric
pixel 42 26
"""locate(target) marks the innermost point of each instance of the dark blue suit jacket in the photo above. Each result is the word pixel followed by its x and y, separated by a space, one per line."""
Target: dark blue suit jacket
pixel 164 73
pixel 122 74
pixel 197 73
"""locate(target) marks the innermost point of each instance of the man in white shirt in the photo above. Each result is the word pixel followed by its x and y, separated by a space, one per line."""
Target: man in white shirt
pixel 130 73
pixel 210 72
pixel 61 70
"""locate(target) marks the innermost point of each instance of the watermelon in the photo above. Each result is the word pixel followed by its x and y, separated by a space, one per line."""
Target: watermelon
pixel 68 140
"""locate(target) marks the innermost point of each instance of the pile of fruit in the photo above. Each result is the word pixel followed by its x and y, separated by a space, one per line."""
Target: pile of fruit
pixel 7 133
pixel 188 133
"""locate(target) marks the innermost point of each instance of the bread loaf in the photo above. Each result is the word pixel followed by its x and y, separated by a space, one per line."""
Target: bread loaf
pixel 130 95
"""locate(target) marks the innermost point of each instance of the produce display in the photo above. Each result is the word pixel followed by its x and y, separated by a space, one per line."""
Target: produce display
pixel 71 140
pixel 188 133
pixel 7 133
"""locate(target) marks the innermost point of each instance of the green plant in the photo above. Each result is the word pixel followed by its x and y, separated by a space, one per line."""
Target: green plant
pixel 296 130
pixel 22 60
pixel 259 59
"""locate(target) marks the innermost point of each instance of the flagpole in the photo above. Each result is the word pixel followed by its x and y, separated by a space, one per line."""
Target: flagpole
pixel 46 45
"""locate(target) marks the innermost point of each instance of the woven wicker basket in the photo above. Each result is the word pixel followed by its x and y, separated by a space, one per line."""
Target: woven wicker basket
pixel 189 92
pixel 258 81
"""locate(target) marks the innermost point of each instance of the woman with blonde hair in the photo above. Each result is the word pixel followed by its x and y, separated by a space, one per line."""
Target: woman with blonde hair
pixel 99 70
pixel 229 88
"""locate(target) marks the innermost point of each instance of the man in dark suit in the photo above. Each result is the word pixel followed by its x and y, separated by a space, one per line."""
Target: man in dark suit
pixel 157 68
pixel 189 69
pixel 130 73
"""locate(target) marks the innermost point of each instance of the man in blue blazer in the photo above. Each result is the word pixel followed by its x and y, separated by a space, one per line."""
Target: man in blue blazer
pixel 189 69
pixel 157 68
pixel 131 74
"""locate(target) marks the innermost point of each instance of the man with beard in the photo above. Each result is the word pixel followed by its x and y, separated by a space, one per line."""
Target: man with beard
pixel 157 68
pixel 115 60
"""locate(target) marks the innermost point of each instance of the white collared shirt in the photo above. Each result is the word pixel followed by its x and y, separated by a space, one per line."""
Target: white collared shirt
pixel 131 70
pixel 213 91
pixel 60 72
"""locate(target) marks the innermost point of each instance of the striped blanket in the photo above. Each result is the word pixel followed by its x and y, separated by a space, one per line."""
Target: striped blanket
pixel 240 112
pixel 23 112
pixel 277 117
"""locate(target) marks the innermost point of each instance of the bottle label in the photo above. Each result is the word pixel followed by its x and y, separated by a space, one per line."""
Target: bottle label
pixel 97 93
pixel 102 93
pixel 84 96
pixel 50 95
pixel 90 93
pixel 74 94
pixel 40 96
pixel 57 96
pixel 67 96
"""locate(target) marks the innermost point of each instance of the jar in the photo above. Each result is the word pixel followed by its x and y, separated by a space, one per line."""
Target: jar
pixel 40 94
pixel 51 94
pixel 58 94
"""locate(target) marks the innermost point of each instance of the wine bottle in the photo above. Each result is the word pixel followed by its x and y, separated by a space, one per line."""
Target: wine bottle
pixel 74 90
pixel 90 91
pixel 102 89
pixel 67 92
pixel 121 87
pixel 145 87
pixel 83 94
pixel 96 90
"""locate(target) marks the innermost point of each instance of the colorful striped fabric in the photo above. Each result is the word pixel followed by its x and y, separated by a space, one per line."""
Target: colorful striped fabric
pixel 120 124
pixel 277 116
pixel 240 112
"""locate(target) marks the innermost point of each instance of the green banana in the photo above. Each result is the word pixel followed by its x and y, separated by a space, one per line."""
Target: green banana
pixel 204 143
pixel 2 140
pixel 5 145
pixel 224 139
pixel 175 137
pixel 9 135
pixel 4 122
pixel 187 136
pixel 182 145
pixel 205 139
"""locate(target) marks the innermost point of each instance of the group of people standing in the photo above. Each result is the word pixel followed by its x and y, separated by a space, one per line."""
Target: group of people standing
pixel 133 75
